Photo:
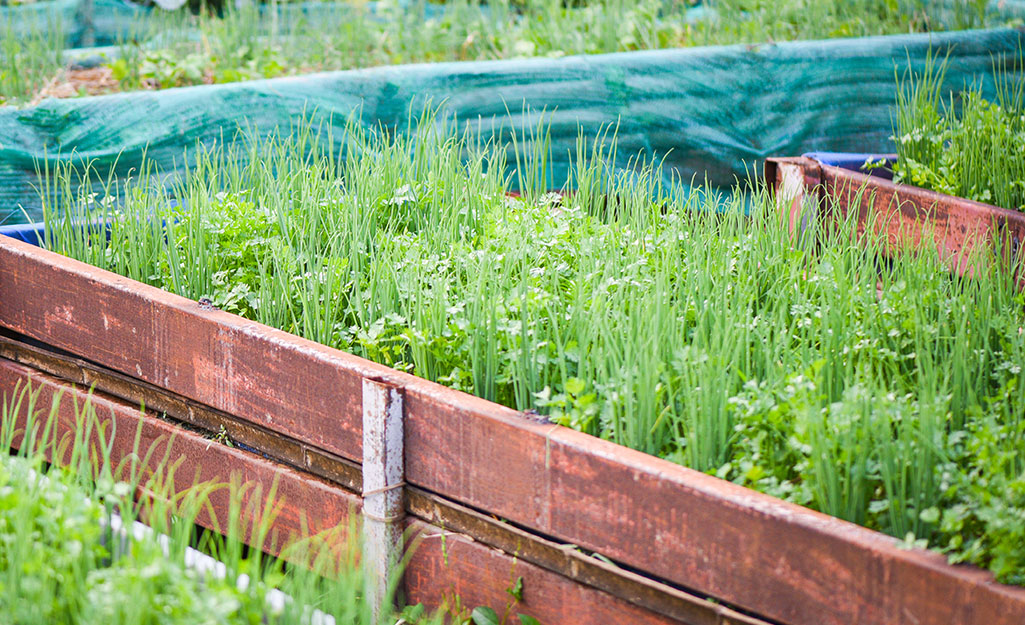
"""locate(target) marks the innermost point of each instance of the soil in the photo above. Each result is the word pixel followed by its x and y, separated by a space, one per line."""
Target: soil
pixel 69 83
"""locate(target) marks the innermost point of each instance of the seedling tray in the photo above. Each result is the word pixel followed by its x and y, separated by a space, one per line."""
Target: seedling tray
pixel 835 187
pixel 514 491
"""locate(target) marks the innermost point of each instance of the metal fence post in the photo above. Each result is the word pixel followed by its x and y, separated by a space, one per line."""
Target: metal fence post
pixel 384 475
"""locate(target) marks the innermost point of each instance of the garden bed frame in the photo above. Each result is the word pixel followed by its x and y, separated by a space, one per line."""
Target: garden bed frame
pixel 494 494
pixel 908 216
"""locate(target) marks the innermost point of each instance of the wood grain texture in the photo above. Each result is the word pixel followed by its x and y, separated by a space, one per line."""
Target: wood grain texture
pixel 477 574
pixel 303 501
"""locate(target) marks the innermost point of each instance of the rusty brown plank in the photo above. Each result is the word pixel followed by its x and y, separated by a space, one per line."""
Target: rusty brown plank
pixel 772 558
pixel 794 180
pixel 159 401
pixel 302 498
pixel 903 216
pixel 909 217
pixel 266 376
pixel 457 569
pixel 570 562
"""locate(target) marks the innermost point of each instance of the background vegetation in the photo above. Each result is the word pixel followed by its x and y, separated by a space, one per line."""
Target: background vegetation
pixel 169 49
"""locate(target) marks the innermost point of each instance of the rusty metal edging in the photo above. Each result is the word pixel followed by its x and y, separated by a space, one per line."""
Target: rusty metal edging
pixel 564 560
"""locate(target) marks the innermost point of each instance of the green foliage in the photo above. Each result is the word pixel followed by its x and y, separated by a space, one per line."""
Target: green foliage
pixel 161 69
pixel 965 146
pixel 397 32
pixel 484 616
pixel 170 49
pixel 986 522
pixel 48 536
pixel 28 60
pixel 687 326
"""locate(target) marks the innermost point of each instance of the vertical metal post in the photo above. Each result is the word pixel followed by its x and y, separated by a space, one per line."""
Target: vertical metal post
pixel 384 475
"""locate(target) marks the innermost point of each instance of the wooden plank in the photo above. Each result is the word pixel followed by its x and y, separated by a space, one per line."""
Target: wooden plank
pixel 794 181
pixel 573 563
pixel 302 498
pixel 903 216
pixel 159 401
pixel 909 217
pixel 266 376
pixel 456 566
pixel 715 538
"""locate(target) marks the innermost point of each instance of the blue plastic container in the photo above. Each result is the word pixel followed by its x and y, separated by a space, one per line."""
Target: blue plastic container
pixel 29 233
pixel 855 161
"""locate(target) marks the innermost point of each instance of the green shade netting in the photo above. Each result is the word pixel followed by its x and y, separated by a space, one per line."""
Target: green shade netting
pixel 106 22
pixel 711 112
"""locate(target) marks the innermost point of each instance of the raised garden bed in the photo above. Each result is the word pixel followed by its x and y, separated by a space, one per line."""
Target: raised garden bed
pixel 447 563
pixel 955 182
pixel 305 404
pixel 833 187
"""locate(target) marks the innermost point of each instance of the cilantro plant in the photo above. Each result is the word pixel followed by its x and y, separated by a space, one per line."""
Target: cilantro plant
pixel 687 325
pixel 966 146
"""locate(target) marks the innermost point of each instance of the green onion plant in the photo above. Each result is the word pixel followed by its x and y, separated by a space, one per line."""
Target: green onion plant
pixel 686 324
pixel 963 145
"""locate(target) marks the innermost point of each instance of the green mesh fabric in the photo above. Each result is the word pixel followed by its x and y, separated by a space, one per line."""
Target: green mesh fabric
pixel 710 112
pixel 110 22
pixel 106 22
